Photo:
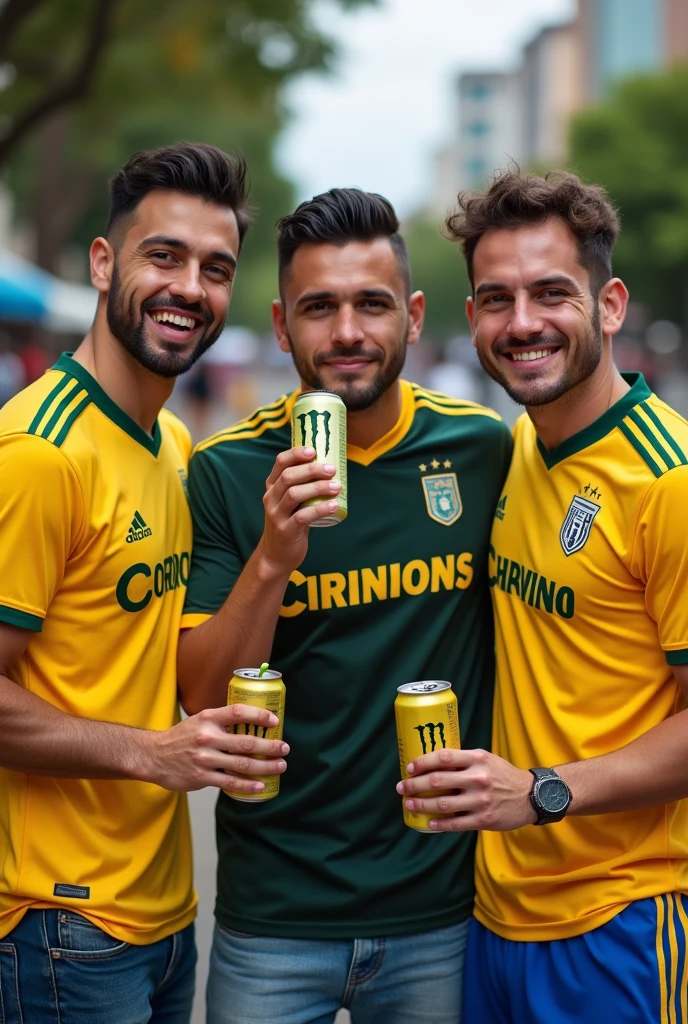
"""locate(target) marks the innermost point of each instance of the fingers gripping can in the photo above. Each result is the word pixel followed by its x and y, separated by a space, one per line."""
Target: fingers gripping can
pixel 427 715
pixel 248 686
pixel 318 419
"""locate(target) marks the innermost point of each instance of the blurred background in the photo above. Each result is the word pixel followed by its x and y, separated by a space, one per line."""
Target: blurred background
pixel 416 101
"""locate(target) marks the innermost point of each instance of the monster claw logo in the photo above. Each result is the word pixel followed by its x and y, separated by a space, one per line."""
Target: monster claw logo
pixel 434 729
pixel 251 730
pixel 313 415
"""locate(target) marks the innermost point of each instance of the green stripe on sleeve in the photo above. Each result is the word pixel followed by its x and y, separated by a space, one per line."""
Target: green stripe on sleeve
pixel 676 657
pixel 47 402
pixel 71 420
pixel 658 445
pixel 16 618
pixel 68 397
pixel 644 454
pixel 673 444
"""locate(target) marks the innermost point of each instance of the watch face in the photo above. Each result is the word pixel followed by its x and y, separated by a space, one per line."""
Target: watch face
pixel 553 795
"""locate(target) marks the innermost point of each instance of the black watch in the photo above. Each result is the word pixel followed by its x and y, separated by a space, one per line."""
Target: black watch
pixel 550 796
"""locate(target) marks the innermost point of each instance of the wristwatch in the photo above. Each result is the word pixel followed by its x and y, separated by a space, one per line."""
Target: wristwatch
pixel 550 796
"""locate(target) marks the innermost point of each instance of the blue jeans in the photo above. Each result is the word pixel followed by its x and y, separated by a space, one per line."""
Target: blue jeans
pixel 406 979
pixel 58 968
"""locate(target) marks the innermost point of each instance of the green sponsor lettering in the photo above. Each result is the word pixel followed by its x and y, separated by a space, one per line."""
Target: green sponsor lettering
pixel 122 591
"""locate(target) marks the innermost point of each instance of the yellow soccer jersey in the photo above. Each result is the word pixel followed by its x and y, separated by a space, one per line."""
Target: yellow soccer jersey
pixel 589 576
pixel 96 535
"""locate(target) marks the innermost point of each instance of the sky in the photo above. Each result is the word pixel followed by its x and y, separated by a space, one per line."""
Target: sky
pixel 376 122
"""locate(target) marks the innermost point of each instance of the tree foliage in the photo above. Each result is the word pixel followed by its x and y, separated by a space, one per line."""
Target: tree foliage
pixel 167 70
pixel 636 145
pixel 439 271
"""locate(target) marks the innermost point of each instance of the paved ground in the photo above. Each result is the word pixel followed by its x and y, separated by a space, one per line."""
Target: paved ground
pixel 202 806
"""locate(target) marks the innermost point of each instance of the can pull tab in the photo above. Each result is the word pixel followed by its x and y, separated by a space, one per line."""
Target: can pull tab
pixel 427 687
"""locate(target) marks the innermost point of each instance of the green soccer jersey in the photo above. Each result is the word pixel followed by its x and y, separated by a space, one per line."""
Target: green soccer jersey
pixel 397 592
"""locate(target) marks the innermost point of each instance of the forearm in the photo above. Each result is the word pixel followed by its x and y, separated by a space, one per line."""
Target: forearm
pixel 649 771
pixel 38 739
pixel 239 635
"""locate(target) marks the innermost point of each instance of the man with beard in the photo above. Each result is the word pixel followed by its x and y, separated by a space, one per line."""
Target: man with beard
pixel 325 897
pixel 96 895
pixel 584 918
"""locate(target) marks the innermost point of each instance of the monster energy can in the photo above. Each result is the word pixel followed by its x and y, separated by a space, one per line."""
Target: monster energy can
pixel 427 717
pixel 260 690
pixel 318 419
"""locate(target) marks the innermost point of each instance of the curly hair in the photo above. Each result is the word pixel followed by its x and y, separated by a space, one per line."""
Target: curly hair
pixel 515 199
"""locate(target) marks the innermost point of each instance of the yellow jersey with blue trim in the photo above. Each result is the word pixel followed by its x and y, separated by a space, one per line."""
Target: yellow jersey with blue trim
pixel 589 574
pixel 94 562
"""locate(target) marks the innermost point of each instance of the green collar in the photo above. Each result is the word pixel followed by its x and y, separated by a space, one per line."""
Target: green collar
pixel 113 412
pixel 602 426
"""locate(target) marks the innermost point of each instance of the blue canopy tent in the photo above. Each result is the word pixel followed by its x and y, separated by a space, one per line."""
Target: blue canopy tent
pixel 31 295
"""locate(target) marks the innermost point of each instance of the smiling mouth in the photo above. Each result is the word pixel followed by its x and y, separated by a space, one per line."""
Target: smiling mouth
pixel 530 355
pixel 176 322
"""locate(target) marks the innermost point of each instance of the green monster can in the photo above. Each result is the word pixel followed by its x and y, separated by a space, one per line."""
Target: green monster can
pixel 260 688
pixel 427 715
pixel 318 420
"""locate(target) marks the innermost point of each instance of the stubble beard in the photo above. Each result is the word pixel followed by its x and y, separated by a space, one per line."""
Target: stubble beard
pixel 355 395
pixel 130 331
pixel 533 392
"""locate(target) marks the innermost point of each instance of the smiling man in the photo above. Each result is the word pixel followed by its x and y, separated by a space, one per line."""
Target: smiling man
pixel 96 896
pixel 325 897
pixel 582 870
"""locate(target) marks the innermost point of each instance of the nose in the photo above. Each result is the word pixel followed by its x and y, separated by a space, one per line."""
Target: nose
pixel 346 329
pixel 526 319
pixel 187 283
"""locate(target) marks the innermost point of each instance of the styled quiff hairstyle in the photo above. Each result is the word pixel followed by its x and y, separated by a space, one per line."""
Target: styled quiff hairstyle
pixel 193 168
pixel 514 200
pixel 338 217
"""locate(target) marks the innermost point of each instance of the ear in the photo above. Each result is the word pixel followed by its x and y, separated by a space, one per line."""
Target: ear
pixel 613 303
pixel 279 325
pixel 416 317
pixel 470 314
pixel 102 259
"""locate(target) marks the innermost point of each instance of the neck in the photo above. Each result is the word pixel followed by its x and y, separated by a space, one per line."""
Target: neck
pixel 138 392
pixel 366 427
pixel 580 407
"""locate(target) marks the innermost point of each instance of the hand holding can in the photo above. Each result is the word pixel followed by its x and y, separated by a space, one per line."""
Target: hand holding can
pixel 318 420
pixel 258 688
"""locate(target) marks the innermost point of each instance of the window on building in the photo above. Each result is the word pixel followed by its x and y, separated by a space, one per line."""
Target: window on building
pixel 477 168
pixel 478 129
pixel 478 90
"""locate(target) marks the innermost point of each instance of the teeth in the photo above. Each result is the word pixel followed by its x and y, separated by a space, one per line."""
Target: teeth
pixel 173 318
pixel 520 357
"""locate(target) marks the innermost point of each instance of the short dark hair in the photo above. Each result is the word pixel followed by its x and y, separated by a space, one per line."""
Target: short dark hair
pixel 193 168
pixel 515 199
pixel 338 217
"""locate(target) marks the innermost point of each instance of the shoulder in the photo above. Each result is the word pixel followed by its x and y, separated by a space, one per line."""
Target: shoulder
pixel 658 439
pixel 458 416
pixel 171 426
pixel 257 430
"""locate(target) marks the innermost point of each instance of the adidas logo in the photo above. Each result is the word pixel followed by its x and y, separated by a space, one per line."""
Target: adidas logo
pixel 138 529
pixel 501 508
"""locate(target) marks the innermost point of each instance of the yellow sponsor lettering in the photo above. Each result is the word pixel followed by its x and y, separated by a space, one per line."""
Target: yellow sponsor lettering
pixel 312 584
pixel 374 583
pixel 411 586
pixel 332 586
pixel 442 571
pixel 464 571
pixel 354 594
pixel 395 579
pixel 288 611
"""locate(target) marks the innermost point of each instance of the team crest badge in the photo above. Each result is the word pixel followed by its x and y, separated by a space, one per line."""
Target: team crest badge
pixel 442 498
pixel 577 525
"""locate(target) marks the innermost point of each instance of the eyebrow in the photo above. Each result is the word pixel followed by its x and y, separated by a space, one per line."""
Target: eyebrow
pixel 176 243
pixel 541 282
pixel 366 293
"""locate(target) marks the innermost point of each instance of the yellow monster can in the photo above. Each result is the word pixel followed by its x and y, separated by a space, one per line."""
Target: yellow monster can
pixel 318 420
pixel 259 688
pixel 427 715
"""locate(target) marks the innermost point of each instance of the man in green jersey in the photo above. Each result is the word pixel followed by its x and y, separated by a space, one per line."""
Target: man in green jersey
pixel 325 897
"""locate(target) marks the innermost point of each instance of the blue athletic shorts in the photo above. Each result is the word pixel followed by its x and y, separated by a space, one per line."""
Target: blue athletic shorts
pixel 632 970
